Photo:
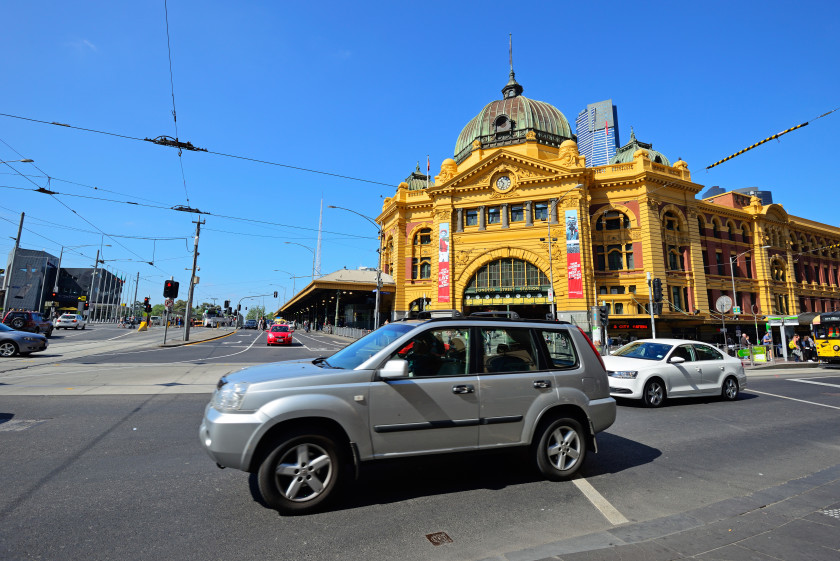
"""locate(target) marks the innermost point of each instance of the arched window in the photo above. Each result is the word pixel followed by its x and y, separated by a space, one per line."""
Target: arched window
pixel 731 228
pixel 745 233
pixel 671 221
pixel 423 237
pixel 612 220
pixel 716 227
pixel 507 274
pixel 676 261
pixel 701 225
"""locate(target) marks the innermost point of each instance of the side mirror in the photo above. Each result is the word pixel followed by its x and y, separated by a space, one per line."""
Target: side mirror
pixel 394 369
pixel 676 360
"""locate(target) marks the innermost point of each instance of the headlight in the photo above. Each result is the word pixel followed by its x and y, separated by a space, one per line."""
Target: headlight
pixel 623 373
pixel 30 339
pixel 229 396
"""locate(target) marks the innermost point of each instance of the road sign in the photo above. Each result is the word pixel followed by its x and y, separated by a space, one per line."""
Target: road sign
pixel 736 310
pixel 168 302
pixel 82 298
pixel 778 321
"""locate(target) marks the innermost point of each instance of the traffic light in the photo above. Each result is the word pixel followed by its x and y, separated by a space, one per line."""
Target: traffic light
pixel 275 294
pixel 239 307
pixel 86 305
pixel 657 290
pixel 145 302
pixel 54 295
pixel 227 304
pixel 604 316
pixel 170 289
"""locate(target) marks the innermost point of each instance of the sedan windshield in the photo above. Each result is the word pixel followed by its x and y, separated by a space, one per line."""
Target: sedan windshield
pixel 356 353
pixel 644 350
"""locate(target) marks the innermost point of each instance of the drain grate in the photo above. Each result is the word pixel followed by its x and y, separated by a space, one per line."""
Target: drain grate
pixel 170 384
pixel 439 538
pixel 832 512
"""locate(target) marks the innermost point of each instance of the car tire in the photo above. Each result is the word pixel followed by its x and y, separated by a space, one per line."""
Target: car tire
pixel 36 330
pixel 560 449
pixel 654 394
pixel 48 334
pixel 730 389
pixel 76 327
pixel 302 472
pixel 83 327
pixel 18 323
pixel 8 348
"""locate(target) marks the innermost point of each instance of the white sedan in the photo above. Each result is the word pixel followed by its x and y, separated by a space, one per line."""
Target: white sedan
pixel 656 369
pixel 70 321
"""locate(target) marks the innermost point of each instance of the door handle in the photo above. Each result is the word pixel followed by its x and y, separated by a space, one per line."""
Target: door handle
pixel 465 388
pixel 697 369
pixel 542 384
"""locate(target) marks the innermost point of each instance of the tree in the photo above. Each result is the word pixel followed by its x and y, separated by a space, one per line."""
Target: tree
pixel 255 312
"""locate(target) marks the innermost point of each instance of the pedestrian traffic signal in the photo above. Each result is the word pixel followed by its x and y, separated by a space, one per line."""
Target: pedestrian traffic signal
pixel 275 294
pixel 86 305
pixel 170 289
pixel 657 290
pixel 55 295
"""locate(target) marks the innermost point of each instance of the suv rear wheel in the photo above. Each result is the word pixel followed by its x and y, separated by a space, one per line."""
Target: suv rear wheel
pixel 561 449
pixel 302 472
pixel 18 323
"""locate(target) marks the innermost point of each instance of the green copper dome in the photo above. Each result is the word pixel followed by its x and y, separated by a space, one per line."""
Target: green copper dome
pixel 625 154
pixel 506 121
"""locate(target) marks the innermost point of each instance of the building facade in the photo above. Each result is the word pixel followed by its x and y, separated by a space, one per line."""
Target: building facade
pixel 597 132
pixel 518 221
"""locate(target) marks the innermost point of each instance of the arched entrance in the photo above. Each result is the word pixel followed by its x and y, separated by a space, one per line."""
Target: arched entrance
pixel 509 284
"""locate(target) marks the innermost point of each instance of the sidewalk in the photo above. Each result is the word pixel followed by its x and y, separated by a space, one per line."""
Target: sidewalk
pixel 797 520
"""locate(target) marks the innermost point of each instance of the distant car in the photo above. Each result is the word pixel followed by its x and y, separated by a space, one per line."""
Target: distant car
pixel 654 370
pixel 70 321
pixel 250 324
pixel 279 335
pixel 33 322
pixel 14 342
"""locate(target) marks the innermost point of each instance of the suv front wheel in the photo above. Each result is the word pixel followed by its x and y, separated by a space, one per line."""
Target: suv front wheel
pixel 560 449
pixel 302 472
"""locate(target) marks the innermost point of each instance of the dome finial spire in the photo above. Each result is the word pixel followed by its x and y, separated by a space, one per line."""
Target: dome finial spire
pixel 512 89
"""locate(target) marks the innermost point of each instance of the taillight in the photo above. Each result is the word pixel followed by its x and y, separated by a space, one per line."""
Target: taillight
pixel 592 346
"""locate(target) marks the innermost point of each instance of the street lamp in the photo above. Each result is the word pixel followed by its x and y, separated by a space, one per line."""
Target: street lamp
pixel 313 254
pixel 378 259
pixel 23 161
pixel 732 259
pixel 293 277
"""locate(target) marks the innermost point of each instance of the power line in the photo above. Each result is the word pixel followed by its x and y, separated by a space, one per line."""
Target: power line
pixel 164 142
pixel 174 113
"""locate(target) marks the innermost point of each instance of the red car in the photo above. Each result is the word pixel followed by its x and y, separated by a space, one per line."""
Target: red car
pixel 279 335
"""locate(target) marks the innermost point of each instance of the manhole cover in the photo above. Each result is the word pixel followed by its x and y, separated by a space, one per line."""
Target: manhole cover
pixel 439 538
pixel 170 384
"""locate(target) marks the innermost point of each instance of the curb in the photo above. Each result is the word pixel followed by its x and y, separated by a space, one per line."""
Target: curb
pixel 183 343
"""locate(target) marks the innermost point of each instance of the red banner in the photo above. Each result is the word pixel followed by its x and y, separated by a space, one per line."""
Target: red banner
pixel 573 255
pixel 443 263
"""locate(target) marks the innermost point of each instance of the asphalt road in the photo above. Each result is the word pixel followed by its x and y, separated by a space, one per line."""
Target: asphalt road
pixel 101 460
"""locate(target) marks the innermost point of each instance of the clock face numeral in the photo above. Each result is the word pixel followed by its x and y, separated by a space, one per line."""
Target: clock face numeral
pixel 503 183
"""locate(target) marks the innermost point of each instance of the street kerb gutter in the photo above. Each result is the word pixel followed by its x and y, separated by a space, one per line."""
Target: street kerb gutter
pixel 184 344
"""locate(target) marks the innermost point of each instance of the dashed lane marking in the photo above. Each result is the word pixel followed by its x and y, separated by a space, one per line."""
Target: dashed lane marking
pixel 794 399
pixel 815 382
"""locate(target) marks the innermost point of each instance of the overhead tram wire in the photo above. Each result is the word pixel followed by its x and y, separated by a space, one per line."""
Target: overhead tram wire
pixel 174 113
pixel 163 141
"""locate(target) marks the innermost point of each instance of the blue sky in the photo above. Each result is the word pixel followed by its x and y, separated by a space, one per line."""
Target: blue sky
pixel 367 90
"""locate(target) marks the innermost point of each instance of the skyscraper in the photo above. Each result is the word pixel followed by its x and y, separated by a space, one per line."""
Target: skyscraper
pixel 597 132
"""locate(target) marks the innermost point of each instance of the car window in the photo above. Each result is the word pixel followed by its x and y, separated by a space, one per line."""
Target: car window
pixel 705 352
pixel 644 350
pixel 561 351
pixel 356 353
pixel 437 352
pixel 685 352
pixel 507 350
pixel 279 328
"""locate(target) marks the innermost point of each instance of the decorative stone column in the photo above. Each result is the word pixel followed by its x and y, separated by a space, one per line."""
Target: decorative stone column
pixel 504 210
pixel 529 216
pixel 459 227
pixel 482 218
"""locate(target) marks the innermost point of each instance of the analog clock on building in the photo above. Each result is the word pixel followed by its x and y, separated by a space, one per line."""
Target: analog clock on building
pixel 503 183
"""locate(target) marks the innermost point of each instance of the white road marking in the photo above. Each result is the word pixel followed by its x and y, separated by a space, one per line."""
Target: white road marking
pixel 794 399
pixel 598 501
pixel 816 383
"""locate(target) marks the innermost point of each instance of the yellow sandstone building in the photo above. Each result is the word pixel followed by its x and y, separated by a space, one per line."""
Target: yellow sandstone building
pixel 516 216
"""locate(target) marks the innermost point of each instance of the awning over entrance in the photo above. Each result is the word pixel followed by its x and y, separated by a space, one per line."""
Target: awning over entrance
pixel 346 297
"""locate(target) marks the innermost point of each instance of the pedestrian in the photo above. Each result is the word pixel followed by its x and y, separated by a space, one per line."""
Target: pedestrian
pixel 795 349
pixel 767 341
pixel 745 341
pixel 809 349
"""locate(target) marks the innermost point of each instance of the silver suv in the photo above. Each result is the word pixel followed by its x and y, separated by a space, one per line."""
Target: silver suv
pixel 407 389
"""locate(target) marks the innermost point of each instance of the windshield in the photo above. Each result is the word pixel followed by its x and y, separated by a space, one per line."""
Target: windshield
pixel 68 316
pixel 356 353
pixel 646 351
pixel 280 328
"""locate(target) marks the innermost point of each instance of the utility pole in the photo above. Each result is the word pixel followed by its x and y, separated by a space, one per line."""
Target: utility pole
pixel 11 271
pixel 133 302
pixel 187 314
pixel 92 284
pixel 650 307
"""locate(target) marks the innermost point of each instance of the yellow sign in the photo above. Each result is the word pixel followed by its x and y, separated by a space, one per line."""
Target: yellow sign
pixel 82 298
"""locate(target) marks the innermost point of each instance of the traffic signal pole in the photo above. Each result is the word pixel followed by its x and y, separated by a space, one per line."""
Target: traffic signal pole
pixel 188 313
pixel 650 306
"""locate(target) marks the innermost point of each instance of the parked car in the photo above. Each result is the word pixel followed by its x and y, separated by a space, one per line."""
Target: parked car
pixel 279 335
pixel 33 322
pixel 411 388
pixel 250 324
pixel 70 321
pixel 654 370
pixel 13 342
